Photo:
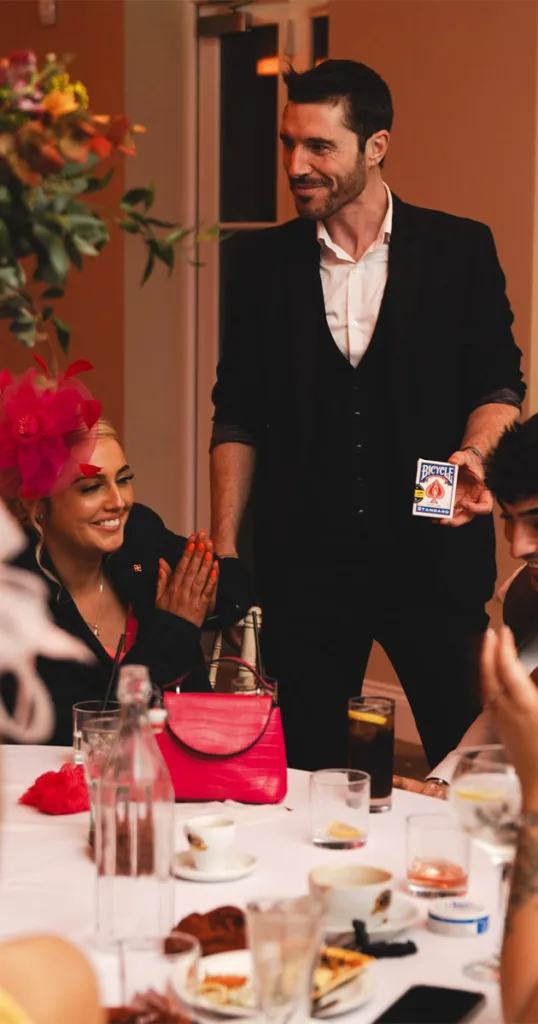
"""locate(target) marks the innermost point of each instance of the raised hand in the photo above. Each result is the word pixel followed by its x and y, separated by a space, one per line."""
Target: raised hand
pixel 511 697
pixel 190 589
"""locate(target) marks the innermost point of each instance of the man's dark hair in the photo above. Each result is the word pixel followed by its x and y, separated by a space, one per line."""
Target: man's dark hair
pixel 512 469
pixel 368 103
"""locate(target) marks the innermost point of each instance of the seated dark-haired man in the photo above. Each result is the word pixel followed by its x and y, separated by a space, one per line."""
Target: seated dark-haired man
pixel 512 477
pixel 359 337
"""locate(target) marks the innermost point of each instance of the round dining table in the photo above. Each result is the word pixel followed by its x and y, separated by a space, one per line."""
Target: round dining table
pixel 47 877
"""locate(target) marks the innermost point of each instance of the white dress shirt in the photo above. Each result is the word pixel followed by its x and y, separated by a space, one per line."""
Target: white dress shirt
pixel 353 289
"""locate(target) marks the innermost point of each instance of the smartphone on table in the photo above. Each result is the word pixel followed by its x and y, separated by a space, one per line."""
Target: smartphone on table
pixel 427 1004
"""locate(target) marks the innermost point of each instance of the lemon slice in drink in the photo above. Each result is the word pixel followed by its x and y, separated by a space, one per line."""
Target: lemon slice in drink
pixel 339 830
pixel 367 716
pixel 482 796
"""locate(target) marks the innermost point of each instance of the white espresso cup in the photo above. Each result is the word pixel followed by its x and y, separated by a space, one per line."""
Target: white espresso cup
pixel 210 838
pixel 352 893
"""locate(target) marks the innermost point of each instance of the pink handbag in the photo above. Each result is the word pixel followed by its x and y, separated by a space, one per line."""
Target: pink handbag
pixel 225 746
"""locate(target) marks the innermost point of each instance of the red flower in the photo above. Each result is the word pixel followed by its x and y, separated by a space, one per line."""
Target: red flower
pixel 24 57
pixel 101 146
pixel 48 160
pixel 22 68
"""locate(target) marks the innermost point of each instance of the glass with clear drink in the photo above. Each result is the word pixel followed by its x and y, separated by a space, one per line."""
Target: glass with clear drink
pixel 371 745
pixel 485 795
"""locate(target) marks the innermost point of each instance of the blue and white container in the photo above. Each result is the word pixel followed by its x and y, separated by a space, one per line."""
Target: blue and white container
pixel 459 918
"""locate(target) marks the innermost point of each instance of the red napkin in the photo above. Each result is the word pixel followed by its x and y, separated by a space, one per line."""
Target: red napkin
pixel 63 792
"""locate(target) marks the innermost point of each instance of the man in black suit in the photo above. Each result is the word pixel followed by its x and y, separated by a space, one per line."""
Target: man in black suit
pixel 359 337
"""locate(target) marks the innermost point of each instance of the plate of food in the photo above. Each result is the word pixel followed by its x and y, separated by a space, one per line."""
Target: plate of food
pixel 341 983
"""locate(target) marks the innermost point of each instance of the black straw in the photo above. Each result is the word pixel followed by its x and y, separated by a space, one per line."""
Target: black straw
pixel 112 679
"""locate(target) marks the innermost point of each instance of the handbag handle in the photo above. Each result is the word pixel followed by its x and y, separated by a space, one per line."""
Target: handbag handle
pixel 269 688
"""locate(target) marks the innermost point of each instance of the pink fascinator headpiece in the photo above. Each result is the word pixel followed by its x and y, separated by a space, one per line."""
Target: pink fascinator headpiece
pixel 48 430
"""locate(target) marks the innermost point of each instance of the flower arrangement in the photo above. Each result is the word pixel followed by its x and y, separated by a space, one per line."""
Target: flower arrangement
pixel 50 145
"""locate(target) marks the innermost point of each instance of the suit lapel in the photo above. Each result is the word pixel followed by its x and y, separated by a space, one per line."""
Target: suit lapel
pixel 307 319
pixel 405 276
pixel 69 617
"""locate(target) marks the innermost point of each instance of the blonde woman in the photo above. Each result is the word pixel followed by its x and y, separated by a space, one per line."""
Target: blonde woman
pixel 111 566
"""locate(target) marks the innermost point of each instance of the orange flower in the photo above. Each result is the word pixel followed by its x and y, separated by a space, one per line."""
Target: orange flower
pixel 58 103
pixel 101 146
pixel 73 150
pixel 86 127
pixel 49 159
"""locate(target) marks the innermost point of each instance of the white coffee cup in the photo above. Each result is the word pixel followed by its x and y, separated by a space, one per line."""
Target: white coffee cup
pixel 352 893
pixel 210 838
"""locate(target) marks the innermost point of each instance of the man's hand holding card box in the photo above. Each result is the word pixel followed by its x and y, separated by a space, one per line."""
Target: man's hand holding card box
pixel 453 492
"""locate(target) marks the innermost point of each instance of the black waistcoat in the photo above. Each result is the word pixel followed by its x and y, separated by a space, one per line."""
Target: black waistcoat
pixel 349 443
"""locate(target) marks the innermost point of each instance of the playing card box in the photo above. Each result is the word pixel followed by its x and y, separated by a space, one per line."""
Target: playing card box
pixel 435 489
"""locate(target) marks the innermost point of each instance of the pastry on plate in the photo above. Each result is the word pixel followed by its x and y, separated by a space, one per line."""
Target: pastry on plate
pixel 335 967
pixel 227 990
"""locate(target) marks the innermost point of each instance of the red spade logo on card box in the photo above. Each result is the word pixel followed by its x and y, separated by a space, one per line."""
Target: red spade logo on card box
pixel 435 492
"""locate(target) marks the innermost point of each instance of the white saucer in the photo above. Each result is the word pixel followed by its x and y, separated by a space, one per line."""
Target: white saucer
pixel 403 914
pixel 351 996
pixel 239 865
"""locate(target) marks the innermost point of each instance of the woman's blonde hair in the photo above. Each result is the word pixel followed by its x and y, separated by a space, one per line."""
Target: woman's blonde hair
pixel 105 429
pixel 26 512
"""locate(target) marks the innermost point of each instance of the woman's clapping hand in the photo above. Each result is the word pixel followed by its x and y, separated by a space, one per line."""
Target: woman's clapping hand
pixel 190 589
pixel 512 699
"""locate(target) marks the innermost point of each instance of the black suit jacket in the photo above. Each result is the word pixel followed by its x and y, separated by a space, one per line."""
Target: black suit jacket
pixel 450 346
pixel 168 644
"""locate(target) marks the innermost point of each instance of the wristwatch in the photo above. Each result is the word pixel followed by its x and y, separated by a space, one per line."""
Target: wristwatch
pixel 475 451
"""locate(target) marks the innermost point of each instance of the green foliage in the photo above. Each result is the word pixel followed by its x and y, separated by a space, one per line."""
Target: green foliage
pixel 55 225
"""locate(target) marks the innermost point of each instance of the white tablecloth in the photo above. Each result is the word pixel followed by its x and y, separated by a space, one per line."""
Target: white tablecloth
pixel 47 877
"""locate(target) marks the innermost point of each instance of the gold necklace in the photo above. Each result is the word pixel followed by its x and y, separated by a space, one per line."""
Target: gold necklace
pixel 94 626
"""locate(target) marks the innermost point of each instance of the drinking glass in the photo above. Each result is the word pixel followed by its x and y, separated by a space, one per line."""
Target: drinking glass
pixel 99 736
pixel 339 808
pixel 160 978
pixel 371 745
pixel 81 712
pixel 486 796
pixel 285 936
pixel 437 856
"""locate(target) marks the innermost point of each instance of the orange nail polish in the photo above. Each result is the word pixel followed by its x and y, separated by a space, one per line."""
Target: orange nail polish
pixel 212 574
pixel 201 547
pixel 190 547
pixel 208 556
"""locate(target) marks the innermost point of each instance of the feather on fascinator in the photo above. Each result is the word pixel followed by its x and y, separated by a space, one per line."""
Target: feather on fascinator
pixel 48 430
pixel 26 631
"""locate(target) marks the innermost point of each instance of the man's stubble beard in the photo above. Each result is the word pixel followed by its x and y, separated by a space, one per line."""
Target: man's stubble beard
pixel 348 188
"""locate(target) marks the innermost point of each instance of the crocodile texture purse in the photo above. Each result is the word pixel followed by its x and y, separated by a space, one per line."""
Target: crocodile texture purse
pixel 225 746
